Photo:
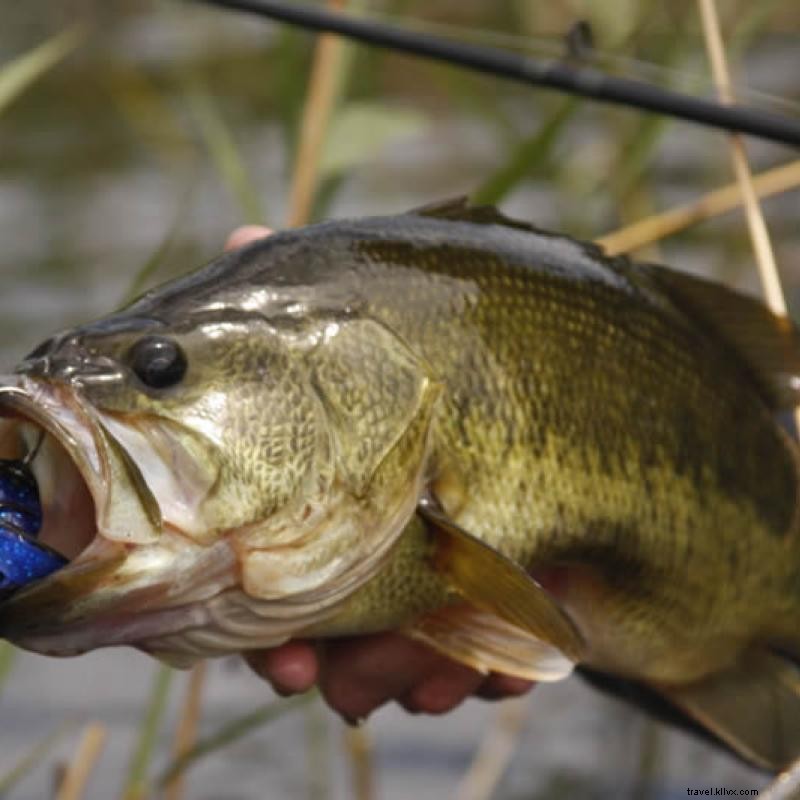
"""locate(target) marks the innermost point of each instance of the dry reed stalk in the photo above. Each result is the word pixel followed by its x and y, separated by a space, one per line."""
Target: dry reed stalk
pixel 494 752
pixel 73 784
pixel 359 750
pixel 756 223
pixel 759 234
pixel 786 786
pixel 320 100
pixel 186 732
pixel 720 201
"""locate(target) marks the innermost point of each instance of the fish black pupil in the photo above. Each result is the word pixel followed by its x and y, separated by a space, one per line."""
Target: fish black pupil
pixel 158 362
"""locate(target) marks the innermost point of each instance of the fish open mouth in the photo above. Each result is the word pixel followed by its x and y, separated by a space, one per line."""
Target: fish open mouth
pixel 109 592
pixel 121 502
pixel 121 584
pixel 57 458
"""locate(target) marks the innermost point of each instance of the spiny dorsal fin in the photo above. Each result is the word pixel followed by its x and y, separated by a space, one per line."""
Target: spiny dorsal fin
pixel 459 209
pixel 768 343
pixel 489 581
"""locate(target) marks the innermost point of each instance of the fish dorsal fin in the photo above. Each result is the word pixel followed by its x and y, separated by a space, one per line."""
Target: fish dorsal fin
pixel 460 210
pixel 753 706
pixel 768 343
pixel 489 581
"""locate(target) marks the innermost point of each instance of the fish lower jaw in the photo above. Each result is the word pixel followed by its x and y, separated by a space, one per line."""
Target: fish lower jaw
pixel 112 631
pixel 176 600
pixel 116 594
pixel 236 624
pixel 228 623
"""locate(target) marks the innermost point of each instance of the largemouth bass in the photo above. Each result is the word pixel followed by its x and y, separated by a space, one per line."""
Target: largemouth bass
pixel 448 423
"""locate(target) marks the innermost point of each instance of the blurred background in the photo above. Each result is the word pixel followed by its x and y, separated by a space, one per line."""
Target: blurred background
pixel 134 136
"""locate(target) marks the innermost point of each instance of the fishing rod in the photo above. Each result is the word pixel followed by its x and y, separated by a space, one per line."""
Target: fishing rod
pixel 567 75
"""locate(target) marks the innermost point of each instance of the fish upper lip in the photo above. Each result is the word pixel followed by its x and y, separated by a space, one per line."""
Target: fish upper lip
pixel 21 401
pixel 26 399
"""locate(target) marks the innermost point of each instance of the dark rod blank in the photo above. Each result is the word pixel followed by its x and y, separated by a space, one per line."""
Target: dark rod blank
pixel 564 76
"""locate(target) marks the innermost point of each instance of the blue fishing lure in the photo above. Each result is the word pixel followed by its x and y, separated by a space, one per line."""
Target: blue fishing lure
pixel 22 558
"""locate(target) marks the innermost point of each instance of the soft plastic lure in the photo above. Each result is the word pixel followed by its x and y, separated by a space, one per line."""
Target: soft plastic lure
pixel 22 558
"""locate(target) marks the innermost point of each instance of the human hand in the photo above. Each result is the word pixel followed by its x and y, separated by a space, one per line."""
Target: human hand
pixel 357 675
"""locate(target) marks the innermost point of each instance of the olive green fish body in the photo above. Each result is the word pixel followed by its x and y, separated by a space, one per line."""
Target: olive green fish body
pixel 589 428
pixel 393 423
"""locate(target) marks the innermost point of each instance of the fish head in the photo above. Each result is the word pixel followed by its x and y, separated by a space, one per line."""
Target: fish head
pixel 219 479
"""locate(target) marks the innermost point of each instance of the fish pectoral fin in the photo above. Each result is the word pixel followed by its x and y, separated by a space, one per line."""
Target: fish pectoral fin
pixel 491 582
pixel 769 343
pixel 752 706
pixel 483 641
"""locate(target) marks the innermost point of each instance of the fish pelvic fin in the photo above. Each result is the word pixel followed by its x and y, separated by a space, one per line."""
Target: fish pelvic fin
pixel 753 707
pixel 494 584
pixel 487 643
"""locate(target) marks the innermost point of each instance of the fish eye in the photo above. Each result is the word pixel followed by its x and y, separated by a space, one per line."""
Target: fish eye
pixel 158 362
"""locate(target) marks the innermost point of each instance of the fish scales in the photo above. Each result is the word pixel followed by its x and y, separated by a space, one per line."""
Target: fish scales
pixel 591 422
pixel 387 423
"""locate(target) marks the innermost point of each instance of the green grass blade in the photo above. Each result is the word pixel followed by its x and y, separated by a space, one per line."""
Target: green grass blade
pixel 34 757
pixel 222 148
pixel 529 154
pixel 636 151
pixel 318 750
pixel 136 785
pixel 8 654
pixel 152 264
pixel 636 156
pixel 148 111
pixel 155 261
pixel 232 731
pixel 755 19
pixel 17 75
